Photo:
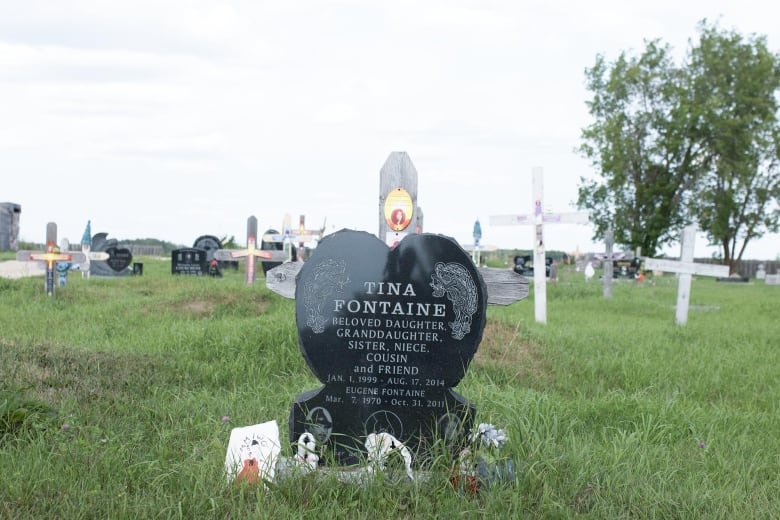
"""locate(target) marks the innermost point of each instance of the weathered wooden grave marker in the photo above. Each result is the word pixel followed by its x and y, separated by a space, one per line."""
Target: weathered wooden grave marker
pixel 504 286
pixel 50 256
pixel 685 268
pixel 538 218
pixel 251 253
pixel 389 326
pixel 609 239
pixel 398 211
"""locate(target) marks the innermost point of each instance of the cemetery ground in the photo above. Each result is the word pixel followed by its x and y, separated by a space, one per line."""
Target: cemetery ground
pixel 117 397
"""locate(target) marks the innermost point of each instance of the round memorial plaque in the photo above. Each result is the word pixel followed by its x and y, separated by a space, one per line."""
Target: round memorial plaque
pixel 399 209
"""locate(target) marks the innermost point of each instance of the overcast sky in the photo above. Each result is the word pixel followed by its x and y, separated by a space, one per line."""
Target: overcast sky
pixel 174 119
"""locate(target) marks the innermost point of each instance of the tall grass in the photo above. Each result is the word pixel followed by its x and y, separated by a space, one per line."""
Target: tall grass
pixel 117 398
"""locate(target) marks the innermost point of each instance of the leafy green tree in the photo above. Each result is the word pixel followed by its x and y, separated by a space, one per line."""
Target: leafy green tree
pixel 641 146
pixel 229 242
pixel 735 82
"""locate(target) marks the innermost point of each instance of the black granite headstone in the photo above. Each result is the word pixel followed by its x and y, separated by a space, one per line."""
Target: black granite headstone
pixel 210 244
pixel 389 332
pixel 189 261
pixel 119 258
pixel 626 268
pixel 522 265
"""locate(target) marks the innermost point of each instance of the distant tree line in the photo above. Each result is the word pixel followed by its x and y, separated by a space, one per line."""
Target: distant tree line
pixel 167 247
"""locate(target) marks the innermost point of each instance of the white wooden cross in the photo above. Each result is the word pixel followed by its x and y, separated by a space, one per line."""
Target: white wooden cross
pixel 538 218
pixel 685 267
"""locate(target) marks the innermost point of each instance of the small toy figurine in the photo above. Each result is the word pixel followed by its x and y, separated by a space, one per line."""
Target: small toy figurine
pixel 380 445
pixel 307 451
pixel 62 268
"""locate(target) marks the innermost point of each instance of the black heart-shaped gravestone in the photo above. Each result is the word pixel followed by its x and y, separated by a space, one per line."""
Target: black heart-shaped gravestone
pixel 119 258
pixel 388 332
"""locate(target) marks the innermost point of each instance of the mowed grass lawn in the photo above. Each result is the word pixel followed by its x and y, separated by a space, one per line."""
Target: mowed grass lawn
pixel 117 397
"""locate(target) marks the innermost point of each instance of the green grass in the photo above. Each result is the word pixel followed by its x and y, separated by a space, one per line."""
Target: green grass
pixel 113 393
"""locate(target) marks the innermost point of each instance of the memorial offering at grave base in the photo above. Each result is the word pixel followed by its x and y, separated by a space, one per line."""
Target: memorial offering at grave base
pixel 253 453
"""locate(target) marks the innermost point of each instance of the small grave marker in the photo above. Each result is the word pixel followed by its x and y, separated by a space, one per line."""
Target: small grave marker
pixel 772 279
pixel 189 261
pixel 50 256
pixel 251 253
pixel 118 261
pixel 685 268
pixel 208 243
pixel 211 244
pixel 537 219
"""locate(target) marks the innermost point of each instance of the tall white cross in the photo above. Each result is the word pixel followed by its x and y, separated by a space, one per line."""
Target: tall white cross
pixel 538 218
pixel 685 267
